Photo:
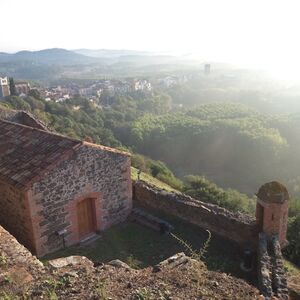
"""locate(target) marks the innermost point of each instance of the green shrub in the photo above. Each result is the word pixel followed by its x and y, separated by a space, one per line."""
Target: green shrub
pixel 294 207
pixel 292 251
pixel 156 169
pixel 200 188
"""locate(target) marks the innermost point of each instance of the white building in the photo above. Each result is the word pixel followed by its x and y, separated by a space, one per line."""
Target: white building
pixel 4 87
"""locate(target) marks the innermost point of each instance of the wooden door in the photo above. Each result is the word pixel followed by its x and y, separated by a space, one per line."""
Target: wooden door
pixel 86 217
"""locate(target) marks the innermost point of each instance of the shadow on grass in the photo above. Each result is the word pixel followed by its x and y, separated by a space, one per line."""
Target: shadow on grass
pixel 141 247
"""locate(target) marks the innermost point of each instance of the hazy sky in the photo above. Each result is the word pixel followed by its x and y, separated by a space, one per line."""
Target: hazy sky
pixel 246 31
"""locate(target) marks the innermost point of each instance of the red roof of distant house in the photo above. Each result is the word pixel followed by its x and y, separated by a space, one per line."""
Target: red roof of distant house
pixel 26 153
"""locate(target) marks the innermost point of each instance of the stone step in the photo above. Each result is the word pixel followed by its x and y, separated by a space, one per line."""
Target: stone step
pixel 144 218
pixel 90 239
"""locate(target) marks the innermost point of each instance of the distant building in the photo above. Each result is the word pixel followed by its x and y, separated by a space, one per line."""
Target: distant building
pixel 207 69
pixel 4 87
pixel 169 81
pixel 142 85
pixel 86 91
pixel 22 88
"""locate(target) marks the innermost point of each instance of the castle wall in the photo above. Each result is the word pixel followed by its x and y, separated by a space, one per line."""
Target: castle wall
pixel 29 120
pixel 15 214
pixel 234 226
pixel 21 117
pixel 93 173
pixel 272 279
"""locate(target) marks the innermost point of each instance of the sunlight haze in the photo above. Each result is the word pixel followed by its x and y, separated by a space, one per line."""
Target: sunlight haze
pixel 260 34
pixel 150 149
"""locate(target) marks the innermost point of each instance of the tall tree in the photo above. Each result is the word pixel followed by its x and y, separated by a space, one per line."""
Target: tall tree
pixel 12 87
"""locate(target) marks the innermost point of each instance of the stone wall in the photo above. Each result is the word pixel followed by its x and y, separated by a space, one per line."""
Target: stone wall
pixel 15 213
pixel 271 275
pixel 234 226
pixel 21 117
pixel 91 173
pixel 264 267
pixel 28 119
pixel 279 276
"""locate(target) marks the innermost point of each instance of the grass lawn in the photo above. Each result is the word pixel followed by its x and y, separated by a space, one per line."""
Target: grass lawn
pixel 140 247
pixel 152 180
pixel 293 275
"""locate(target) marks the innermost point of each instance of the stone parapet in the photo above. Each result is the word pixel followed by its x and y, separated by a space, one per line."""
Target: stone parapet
pixel 22 117
pixel 278 273
pixel 264 267
pixel 238 227
pixel 271 275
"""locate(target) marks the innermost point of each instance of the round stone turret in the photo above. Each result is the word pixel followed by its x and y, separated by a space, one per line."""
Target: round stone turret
pixel 272 210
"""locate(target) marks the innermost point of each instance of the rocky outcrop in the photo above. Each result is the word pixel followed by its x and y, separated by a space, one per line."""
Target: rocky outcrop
pixel 18 268
pixel 22 276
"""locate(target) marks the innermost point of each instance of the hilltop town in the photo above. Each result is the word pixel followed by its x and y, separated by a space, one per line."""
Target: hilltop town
pixel 93 90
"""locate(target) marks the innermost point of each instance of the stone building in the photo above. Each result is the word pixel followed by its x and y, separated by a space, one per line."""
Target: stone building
pixel 22 88
pixel 4 87
pixel 272 210
pixel 56 190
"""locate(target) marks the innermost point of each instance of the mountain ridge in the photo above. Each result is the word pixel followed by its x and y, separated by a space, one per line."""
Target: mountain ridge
pixel 47 56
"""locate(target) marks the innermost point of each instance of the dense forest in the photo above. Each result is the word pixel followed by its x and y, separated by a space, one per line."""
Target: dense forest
pixel 237 147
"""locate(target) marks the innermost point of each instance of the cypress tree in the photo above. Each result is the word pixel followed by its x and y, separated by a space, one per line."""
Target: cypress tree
pixel 12 87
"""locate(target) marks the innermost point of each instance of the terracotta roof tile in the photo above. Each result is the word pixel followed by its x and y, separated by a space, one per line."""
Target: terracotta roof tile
pixel 26 152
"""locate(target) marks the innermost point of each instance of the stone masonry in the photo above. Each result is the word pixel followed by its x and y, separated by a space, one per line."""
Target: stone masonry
pixel 15 214
pixel 51 184
pixel 237 227
pixel 22 117
pixel 271 275
pixel 272 210
pixel 91 173
pixel 266 234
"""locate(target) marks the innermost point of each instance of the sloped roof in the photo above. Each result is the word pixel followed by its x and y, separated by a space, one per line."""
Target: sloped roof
pixel 26 152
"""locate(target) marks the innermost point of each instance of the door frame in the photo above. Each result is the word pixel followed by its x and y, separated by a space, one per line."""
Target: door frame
pixel 73 236
pixel 93 214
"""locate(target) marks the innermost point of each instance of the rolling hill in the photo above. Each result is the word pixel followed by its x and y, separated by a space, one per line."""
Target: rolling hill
pixel 55 56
